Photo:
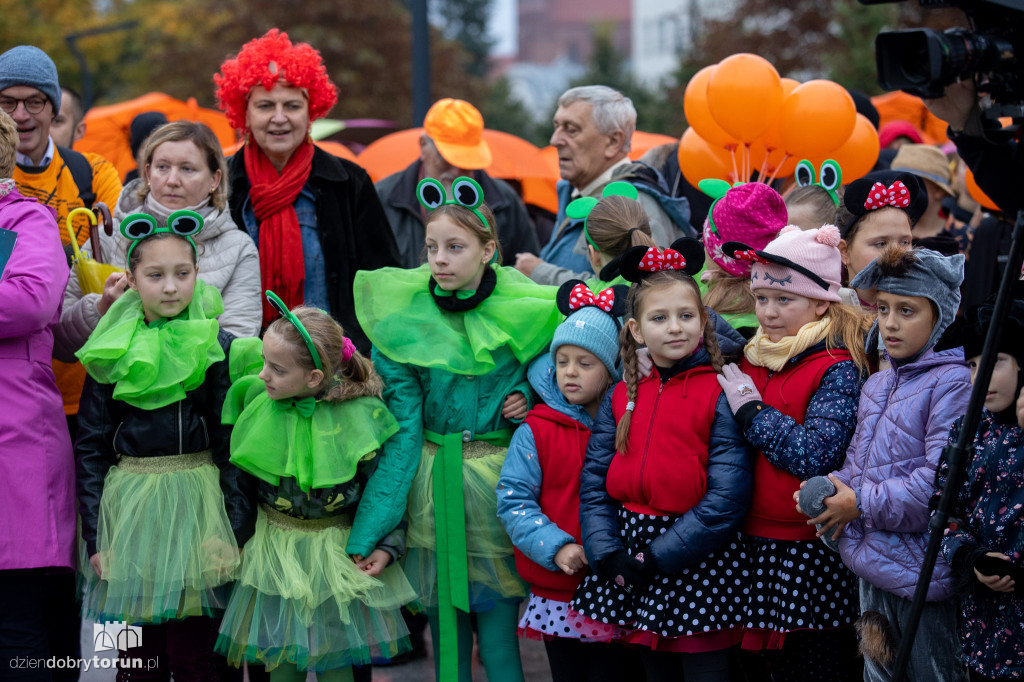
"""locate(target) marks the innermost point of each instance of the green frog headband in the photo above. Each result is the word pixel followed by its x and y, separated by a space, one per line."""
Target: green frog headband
pixel 579 209
pixel 138 226
pixel 829 177
pixel 466 192
pixel 288 315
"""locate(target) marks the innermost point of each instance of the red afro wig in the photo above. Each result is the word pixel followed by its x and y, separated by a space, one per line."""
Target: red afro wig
pixel 265 61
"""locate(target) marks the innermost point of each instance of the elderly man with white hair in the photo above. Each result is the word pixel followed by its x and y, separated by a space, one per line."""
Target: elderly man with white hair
pixel 594 125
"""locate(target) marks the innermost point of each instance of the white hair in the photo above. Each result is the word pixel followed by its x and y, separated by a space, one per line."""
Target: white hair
pixel 611 110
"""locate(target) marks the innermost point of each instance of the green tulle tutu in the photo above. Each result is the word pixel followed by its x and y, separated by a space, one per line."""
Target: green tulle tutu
pixel 272 438
pixel 491 563
pixel 154 365
pixel 164 541
pixel 398 314
pixel 301 599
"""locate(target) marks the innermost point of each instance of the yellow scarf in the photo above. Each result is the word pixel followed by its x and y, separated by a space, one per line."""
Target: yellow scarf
pixel 774 355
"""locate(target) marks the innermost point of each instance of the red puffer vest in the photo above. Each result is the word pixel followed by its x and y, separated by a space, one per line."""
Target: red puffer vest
pixel 561 443
pixel 773 513
pixel 664 468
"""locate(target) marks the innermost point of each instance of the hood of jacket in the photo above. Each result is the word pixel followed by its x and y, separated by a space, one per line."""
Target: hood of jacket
pixel 541 375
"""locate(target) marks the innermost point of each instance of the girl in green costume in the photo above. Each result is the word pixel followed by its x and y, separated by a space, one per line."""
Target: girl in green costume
pixel 452 339
pixel 319 589
pixel 163 512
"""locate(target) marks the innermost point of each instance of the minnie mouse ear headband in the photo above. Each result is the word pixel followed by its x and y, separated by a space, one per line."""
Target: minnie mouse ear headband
pixel 267 61
pixel 592 322
pixel 685 255
pixel 882 189
pixel 138 226
pixel 579 209
pixel 752 213
pixel 829 177
pixel 802 262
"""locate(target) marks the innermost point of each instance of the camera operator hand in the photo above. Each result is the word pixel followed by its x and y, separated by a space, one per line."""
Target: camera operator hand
pixel 956 105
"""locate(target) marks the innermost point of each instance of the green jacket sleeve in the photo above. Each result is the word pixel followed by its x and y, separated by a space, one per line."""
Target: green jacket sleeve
pixel 383 502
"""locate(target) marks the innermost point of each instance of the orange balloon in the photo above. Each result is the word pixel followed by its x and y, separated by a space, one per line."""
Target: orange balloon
pixel 772 137
pixel 744 96
pixel 858 155
pixel 977 194
pixel 699 160
pixel 817 118
pixel 695 106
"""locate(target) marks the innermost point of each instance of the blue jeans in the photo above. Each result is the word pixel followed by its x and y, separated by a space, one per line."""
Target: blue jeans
pixel 936 653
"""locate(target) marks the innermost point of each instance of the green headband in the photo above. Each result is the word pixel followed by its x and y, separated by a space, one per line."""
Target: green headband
pixel 716 189
pixel 139 226
pixel 290 316
pixel 829 178
pixel 466 192
pixel 579 209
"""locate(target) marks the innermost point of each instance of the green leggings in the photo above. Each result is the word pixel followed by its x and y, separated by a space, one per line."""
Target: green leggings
pixel 286 672
pixel 499 646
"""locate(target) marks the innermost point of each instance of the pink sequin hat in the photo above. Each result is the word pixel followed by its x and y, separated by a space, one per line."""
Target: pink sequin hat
pixel 752 213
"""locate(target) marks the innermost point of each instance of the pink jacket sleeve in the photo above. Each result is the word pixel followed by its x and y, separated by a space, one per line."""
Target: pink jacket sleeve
pixel 32 285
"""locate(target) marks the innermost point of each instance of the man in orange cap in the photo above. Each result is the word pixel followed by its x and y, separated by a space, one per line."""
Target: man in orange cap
pixel 451 146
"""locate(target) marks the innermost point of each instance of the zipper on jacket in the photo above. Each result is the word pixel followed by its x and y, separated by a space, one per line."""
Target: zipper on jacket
pixel 113 441
pixel 181 436
pixel 206 432
pixel 647 443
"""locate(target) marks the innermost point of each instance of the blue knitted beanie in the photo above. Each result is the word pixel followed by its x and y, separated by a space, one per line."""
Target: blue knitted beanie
pixel 594 330
pixel 28 65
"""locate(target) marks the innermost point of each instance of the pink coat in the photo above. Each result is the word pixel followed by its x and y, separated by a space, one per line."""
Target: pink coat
pixel 37 468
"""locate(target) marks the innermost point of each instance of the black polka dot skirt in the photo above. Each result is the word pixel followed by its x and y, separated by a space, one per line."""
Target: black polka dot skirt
pixel 793 585
pixel 545 619
pixel 704 598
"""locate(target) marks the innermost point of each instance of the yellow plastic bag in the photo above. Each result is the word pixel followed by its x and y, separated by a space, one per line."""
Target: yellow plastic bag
pixel 91 273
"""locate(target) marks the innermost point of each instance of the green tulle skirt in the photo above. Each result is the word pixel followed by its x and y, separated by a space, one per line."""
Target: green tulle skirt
pixel 490 559
pixel 300 599
pixel 164 540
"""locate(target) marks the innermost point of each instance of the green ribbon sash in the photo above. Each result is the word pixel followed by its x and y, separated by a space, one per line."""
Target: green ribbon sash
pixel 450 529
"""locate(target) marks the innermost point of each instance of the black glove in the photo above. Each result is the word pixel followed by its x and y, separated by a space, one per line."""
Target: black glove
pixel 631 573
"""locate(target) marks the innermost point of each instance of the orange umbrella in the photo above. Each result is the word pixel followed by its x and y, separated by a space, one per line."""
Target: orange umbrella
pixel 514 157
pixel 108 128
pixel 330 146
pixel 643 141
pixel 540 190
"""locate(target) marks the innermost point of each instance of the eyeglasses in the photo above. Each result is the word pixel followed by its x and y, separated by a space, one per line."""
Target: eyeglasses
pixel 33 104
pixel 280 307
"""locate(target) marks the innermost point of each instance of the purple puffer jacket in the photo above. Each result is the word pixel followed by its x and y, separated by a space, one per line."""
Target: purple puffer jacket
pixel 902 425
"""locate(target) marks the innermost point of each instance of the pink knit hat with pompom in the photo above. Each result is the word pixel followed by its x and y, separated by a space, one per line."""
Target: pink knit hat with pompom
pixel 752 213
pixel 802 262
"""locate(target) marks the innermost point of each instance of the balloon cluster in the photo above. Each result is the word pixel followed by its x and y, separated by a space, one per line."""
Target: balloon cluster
pixel 743 118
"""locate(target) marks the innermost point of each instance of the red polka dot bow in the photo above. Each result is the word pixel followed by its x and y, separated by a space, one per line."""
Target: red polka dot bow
pixel 656 260
pixel 880 196
pixel 581 296
pixel 750 256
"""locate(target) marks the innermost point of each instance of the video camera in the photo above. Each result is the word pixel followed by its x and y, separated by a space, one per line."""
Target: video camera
pixel 923 62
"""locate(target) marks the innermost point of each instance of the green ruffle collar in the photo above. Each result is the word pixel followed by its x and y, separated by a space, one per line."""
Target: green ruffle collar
pixel 154 365
pixel 398 314
pixel 274 439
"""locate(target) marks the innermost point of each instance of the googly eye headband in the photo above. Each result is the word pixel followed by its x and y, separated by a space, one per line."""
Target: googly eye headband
pixel 288 315
pixel 829 176
pixel 466 192
pixel 579 209
pixel 139 226
pixel 685 255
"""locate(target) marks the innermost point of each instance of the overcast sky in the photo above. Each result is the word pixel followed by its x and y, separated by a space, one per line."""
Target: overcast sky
pixel 503 27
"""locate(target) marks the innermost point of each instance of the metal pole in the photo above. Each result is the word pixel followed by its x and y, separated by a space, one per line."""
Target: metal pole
pixel 958 455
pixel 72 40
pixel 420 62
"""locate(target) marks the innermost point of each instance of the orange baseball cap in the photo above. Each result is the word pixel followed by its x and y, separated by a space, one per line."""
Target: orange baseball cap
pixel 456 127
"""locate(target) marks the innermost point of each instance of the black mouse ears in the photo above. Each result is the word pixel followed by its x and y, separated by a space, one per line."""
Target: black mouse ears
pixel 684 254
pixel 575 295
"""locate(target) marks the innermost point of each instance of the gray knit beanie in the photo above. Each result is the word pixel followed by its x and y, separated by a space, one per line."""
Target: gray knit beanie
pixel 915 272
pixel 28 65
pixel 592 329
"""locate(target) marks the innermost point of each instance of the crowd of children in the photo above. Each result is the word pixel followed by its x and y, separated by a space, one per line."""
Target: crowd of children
pixel 620 457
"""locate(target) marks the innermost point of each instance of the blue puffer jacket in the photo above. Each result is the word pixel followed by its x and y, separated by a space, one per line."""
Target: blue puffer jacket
pixel 696 533
pixel 519 486
pixel 903 422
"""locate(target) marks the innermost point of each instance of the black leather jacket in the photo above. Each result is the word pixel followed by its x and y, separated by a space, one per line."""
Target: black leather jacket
pixel 109 428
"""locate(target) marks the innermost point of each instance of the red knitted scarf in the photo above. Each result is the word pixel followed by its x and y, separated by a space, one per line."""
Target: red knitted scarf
pixel 282 267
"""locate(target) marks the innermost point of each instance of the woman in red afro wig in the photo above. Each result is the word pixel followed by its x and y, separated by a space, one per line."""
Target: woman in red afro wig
pixel 315 218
